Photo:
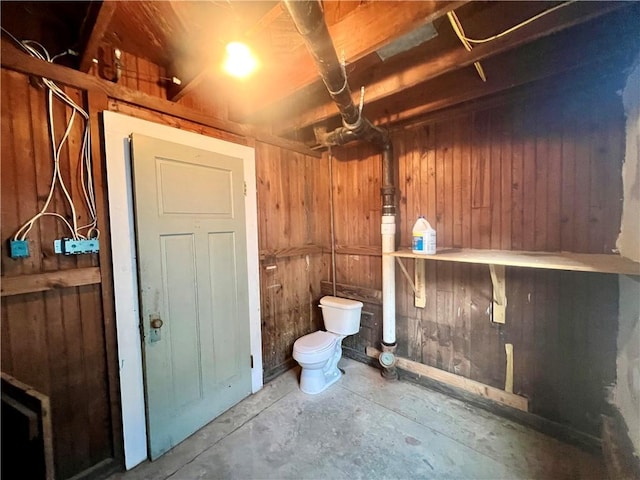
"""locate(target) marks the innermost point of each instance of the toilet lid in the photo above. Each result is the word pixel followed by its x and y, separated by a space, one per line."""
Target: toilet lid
pixel 314 342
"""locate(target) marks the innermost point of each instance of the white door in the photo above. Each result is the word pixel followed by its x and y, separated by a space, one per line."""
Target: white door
pixel 192 270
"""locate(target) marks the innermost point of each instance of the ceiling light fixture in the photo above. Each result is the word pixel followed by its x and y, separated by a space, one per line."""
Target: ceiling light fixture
pixel 240 61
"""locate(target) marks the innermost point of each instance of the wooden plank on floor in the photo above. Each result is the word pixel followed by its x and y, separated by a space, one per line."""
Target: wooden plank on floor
pixel 491 393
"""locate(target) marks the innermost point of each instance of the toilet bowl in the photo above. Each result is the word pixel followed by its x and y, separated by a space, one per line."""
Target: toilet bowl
pixel 318 353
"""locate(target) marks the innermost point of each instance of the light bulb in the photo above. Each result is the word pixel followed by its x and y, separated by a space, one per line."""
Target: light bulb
pixel 239 61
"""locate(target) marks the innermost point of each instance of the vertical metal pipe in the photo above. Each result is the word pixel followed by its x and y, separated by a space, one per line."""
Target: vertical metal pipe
pixel 309 20
pixel 333 227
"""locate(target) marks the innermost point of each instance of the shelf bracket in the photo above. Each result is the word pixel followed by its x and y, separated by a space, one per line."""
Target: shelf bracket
pixel 499 293
pixel 420 292
pixel 406 274
pixel 418 282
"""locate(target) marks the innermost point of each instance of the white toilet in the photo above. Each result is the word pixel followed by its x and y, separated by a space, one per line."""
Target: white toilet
pixel 318 353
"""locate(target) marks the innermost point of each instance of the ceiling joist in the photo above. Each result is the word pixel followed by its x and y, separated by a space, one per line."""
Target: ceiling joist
pixel 387 81
pixel 107 9
pixel 359 33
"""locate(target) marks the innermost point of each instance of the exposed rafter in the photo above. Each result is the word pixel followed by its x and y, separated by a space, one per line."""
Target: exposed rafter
pixel 103 19
pixel 361 32
pixel 386 81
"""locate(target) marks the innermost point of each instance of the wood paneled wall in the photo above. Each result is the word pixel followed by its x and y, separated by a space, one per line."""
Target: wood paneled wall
pixel 293 228
pixel 535 173
pixel 52 340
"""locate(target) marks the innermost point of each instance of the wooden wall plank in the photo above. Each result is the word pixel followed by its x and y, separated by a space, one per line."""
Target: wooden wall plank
pixel 481 181
pixel 517 181
pixel 554 176
pixel 290 218
pixel 48 229
pixel 497 122
pixel 584 131
pixel 568 172
pixel 541 178
pixel 40 282
pixel 506 167
pixel 26 203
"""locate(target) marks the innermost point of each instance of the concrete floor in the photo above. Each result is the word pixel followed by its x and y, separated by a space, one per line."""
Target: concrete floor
pixel 364 427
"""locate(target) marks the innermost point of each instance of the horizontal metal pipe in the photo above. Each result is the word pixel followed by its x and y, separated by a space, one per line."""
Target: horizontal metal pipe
pixel 309 20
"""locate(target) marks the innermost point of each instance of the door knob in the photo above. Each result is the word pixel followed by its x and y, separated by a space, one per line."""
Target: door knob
pixel 156 323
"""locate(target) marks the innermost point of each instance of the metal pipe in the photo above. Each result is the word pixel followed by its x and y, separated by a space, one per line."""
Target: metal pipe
pixel 309 20
pixel 333 226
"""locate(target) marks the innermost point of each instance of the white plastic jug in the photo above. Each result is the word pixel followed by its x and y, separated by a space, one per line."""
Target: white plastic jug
pixel 424 237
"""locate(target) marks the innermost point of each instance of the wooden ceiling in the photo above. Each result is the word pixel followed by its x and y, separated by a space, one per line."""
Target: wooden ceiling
pixel 187 38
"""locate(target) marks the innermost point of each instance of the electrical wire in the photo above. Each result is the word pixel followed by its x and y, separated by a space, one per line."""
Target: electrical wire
pixel 457 27
pixel 90 230
pixel 466 41
pixel 521 24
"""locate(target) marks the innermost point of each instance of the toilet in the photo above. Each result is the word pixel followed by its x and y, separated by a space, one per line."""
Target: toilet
pixel 318 353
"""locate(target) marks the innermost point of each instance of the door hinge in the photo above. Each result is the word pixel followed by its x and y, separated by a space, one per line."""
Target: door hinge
pixel 251 361
pixel 245 189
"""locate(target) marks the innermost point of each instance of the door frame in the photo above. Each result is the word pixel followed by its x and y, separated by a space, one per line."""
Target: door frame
pixel 117 129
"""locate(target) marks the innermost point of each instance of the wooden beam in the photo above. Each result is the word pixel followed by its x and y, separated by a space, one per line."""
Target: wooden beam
pixel 554 56
pixel 477 388
pixel 387 81
pixel 353 292
pixel 376 24
pixel 105 14
pixel 13 59
pixel 41 282
pixel 270 255
pixel 367 250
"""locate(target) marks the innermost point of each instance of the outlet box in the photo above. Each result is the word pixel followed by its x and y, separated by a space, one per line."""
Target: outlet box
pixel 18 248
pixel 68 246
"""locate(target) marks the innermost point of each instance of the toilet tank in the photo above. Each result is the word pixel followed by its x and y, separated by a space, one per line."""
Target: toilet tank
pixel 341 316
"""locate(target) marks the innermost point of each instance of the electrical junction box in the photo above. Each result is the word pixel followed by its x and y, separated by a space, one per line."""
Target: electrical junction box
pixel 69 246
pixel 18 248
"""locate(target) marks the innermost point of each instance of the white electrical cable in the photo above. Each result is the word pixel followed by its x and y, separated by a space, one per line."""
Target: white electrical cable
pixel 35 49
pixel 466 41
pixel 520 25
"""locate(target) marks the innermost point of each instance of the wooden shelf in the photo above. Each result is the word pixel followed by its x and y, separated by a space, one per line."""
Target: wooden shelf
pixel 579 262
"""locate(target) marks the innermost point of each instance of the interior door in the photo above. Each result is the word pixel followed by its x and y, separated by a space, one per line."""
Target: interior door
pixel 190 238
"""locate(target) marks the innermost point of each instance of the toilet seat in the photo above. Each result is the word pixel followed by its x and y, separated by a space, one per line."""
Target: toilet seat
pixel 315 342
pixel 314 347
